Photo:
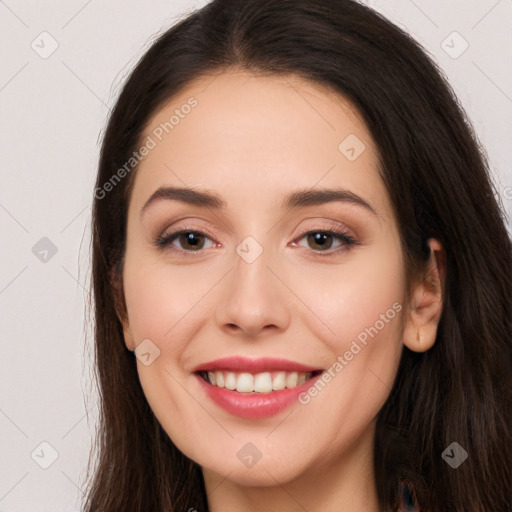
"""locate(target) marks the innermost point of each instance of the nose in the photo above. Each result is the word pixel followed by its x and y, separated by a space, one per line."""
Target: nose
pixel 254 301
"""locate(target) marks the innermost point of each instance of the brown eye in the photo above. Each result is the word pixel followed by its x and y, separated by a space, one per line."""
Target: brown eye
pixel 320 239
pixel 187 240
pixel 325 240
pixel 191 240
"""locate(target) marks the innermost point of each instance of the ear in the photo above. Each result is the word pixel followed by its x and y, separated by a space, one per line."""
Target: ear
pixel 128 336
pixel 116 280
pixel 426 307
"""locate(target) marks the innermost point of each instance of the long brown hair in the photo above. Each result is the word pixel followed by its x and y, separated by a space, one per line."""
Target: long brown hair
pixel 438 179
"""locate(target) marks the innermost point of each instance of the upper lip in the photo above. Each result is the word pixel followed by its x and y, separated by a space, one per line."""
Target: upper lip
pixel 264 364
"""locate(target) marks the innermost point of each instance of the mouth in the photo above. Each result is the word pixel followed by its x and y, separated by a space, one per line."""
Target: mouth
pixel 257 383
pixel 255 388
pixel 255 396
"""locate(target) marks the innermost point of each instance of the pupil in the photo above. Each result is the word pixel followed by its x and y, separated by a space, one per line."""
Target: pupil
pixel 320 238
pixel 190 239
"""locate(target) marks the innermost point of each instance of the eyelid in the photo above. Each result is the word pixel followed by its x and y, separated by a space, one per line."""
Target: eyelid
pixel 335 227
pixel 342 234
pixel 165 240
pixel 173 234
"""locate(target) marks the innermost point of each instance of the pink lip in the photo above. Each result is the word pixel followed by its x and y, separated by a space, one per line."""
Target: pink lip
pixel 244 364
pixel 254 405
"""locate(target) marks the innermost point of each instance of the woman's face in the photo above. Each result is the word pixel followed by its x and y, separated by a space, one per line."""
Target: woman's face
pixel 259 280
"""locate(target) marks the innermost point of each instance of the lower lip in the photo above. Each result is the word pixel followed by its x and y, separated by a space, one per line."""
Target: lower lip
pixel 255 405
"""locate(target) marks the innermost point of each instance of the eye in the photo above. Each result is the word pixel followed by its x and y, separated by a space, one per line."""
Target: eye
pixel 188 240
pixel 321 240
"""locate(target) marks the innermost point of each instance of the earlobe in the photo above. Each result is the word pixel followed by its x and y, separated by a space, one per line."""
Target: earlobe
pixel 116 282
pixel 128 337
pixel 426 306
pixel 127 333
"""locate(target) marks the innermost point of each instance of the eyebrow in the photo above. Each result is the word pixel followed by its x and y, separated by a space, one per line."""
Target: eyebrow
pixel 297 199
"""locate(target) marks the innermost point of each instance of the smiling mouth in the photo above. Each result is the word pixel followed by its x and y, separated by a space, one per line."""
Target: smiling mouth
pixel 264 382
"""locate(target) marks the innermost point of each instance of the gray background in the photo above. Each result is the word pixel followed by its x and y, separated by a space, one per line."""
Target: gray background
pixel 53 111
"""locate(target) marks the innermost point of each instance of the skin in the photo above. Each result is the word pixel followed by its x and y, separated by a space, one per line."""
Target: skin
pixel 252 140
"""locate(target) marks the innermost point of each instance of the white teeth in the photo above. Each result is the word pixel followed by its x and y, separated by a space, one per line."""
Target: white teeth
pixel 219 379
pixel 291 380
pixel 230 381
pixel 279 381
pixel 244 383
pixel 264 382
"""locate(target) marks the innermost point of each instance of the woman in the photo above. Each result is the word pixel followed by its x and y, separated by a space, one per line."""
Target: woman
pixel 302 276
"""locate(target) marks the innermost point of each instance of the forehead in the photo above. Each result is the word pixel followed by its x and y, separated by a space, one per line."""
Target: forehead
pixel 252 137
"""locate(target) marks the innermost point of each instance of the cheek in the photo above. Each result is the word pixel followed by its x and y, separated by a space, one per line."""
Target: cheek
pixel 358 308
pixel 159 297
pixel 362 305
pixel 365 290
pixel 159 300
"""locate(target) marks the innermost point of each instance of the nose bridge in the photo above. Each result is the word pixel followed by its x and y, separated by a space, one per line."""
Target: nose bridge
pixel 254 298
pixel 250 270
pixel 251 275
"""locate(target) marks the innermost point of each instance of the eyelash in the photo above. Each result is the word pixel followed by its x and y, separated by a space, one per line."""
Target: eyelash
pixel 164 241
